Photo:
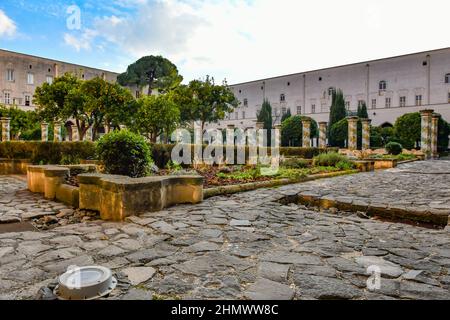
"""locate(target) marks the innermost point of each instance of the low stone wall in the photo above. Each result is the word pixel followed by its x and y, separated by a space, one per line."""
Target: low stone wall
pixel 383 163
pixel 115 197
pixel 50 180
pixel 14 166
pixel 365 165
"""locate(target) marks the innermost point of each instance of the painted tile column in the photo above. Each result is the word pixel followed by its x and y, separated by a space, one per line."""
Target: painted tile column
pixel 306 136
pixel 6 126
pixel 366 133
pixel 434 135
pixel 57 136
pixel 352 133
pixel 426 116
pixel 75 135
pixel 44 131
pixel 322 134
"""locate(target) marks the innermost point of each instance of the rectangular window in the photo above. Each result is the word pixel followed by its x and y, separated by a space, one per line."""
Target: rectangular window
pixel 243 114
pixel 282 98
pixel 388 102
pixel 402 101
pixel 449 97
pixel 418 100
pixel 49 79
pixel 30 78
pixel 7 98
pixel 313 108
pixel 299 109
pixel 374 103
pixel 245 103
pixel 27 100
pixel 10 75
pixel 360 103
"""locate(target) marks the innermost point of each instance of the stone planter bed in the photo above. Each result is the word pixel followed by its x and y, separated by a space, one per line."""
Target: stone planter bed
pixel 115 197
pixel 231 189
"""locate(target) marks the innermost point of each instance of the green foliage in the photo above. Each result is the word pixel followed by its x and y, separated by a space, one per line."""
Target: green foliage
pixel 51 99
pixel 330 159
pixel 164 75
pixel 124 153
pixel 92 103
pixel 173 166
pixel 204 101
pixel 23 123
pixel 295 163
pixel 156 115
pixel 407 129
pixel 337 113
pixel 362 111
pixel 287 115
pixel 339 132
pixel 48 152
pixel 265 115
pixel 394 148
pixel 292 131
pixel 380 136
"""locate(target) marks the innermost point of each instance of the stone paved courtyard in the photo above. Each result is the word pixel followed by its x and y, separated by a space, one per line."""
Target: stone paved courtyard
pixel 245 246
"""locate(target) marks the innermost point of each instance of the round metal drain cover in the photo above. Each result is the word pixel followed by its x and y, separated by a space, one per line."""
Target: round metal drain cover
pixel 85 283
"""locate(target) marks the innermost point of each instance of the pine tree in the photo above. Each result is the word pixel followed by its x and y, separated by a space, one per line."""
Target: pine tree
pixel 337 112
pixel 287 115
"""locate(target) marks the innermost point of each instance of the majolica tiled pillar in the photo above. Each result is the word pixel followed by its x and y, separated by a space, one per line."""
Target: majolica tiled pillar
pixel 322 134
pixel 306 129
pixel 277 128
pixel 426 116
pixel 434 135
pixel 44 131
pixel 366 133
pixel 88 134
pixel 352 133
pixel 6 125
pixel 75 135
pixel 57 137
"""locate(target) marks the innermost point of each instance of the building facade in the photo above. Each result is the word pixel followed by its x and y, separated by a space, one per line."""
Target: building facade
pixel 390 88
pixel 21 74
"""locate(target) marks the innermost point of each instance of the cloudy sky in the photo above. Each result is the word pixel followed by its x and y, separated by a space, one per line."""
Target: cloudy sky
pixel 236 40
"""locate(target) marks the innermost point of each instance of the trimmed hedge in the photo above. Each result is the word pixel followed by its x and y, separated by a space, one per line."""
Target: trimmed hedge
pixel 73 152
pixel 48 152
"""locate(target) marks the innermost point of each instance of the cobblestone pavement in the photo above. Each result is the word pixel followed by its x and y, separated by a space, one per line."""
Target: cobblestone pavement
pixel 416 186
pixel 246 246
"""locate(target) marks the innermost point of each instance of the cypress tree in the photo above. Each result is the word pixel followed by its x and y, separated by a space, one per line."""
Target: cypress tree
pixel 337 112
pixel 265 116
pixel 362 111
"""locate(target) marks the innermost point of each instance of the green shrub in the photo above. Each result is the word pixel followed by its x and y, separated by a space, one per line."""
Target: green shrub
pixel 339 132
pixel 124 153
pixel 48 152
pixel 294 163
pixel 292 131
pixel 394 148
pixel 330 159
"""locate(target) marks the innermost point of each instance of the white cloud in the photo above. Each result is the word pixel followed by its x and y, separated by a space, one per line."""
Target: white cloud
pixel 8 27
pixel 247 40
pixel 81 41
